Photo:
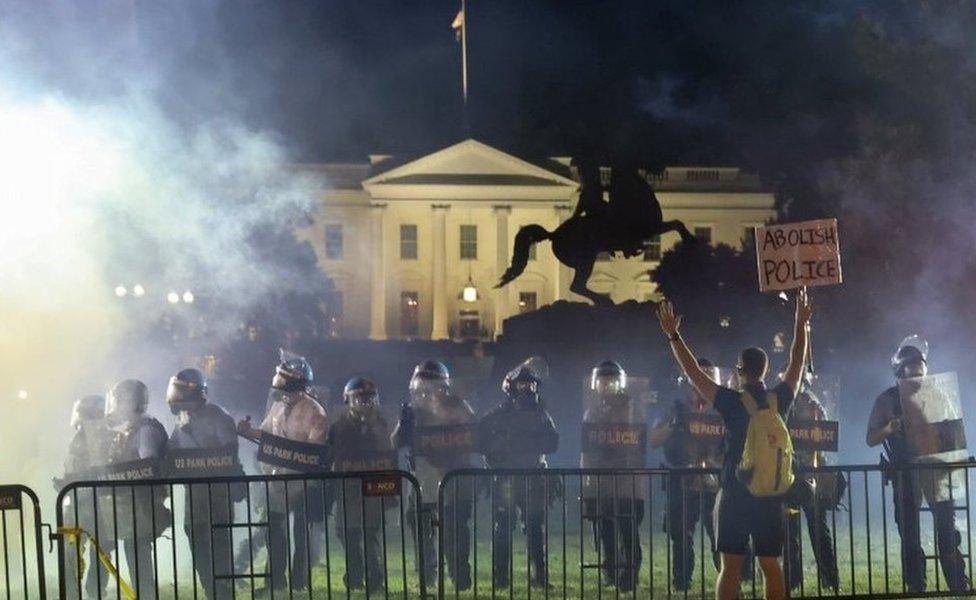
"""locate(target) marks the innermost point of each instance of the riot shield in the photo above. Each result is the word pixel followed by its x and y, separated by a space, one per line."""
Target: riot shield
pixel 444 438
pixel 614 436
pixel 933 422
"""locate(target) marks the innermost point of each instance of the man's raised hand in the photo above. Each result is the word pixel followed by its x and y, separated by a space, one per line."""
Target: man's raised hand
pixel 804 310
pixel 670 322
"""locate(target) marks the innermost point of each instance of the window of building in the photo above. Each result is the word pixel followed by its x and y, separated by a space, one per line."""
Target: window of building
pixel 532 251
pixel 469 325
pixel 333 241
pixel 409 314
pixel 408 242
pixel 704 234
pixel 469 242
pixel 603 257
pixel 652 248
pixel 527 302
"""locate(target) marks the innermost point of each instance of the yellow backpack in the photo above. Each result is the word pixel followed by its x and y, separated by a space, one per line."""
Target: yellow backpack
pixel 766 468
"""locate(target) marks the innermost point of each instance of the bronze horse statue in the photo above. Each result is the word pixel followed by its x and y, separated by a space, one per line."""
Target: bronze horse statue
pixel 631 217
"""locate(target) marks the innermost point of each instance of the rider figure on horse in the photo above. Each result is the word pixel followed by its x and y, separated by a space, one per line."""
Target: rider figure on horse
pixel 627 190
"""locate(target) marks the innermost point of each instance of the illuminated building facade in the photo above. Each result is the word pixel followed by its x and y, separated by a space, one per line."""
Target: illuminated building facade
pixel 406 240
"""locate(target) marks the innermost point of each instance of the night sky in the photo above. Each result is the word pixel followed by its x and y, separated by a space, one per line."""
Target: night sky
pixel 759 83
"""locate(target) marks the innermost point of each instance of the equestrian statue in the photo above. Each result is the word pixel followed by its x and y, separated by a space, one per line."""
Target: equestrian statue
pixel 631 217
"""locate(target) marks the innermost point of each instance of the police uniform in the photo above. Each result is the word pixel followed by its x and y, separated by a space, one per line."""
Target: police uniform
pixel 434 405
pixel 205 426
pixel 518 434
pixel 360 441
pixel 88 451
pixel 615 504
pixel 138 437
pixel 807 407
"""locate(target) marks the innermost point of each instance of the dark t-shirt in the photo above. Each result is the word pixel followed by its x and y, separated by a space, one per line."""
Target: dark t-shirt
pixel 728 403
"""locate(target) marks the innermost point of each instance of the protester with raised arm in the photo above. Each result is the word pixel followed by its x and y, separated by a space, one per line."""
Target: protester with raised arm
pixel 750 503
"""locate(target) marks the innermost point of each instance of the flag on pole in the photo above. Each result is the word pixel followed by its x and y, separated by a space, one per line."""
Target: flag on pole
pixel 458 24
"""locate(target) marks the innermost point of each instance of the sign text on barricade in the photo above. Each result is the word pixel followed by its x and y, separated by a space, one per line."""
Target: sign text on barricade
pixel 794 255
pixel 818 436
pixel 618 436
pixel 444 439
pixel 9 498
pixel 290 454
pixel 706 428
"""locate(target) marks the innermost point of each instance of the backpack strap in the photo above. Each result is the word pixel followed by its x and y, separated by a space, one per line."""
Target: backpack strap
pixel 748 402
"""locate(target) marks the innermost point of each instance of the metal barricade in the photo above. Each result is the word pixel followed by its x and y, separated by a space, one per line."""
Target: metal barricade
pixel 304 536
pixel 860 531
pixel 22 558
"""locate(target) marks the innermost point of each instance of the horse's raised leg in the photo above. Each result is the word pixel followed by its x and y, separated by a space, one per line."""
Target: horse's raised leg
pixel 686 236
pixel 578 285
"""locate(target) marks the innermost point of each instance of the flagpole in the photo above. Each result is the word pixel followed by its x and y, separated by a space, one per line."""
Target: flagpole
pixel 464 64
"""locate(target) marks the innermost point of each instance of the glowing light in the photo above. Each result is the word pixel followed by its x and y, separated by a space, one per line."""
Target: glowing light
pixel 120 291
pixel 188 297
pixel 138 291
pixel 22 395
pixel 725 322
pixel 172 297
pixel 469 294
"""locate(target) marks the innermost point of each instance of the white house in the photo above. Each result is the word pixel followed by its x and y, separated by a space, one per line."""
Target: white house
pixel 402 238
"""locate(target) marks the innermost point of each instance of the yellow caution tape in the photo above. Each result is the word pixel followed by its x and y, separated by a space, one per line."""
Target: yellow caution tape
pixel 75 535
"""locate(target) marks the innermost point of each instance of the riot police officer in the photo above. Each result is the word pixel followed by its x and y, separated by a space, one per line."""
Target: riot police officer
pixel 360 441
pixel 616 504
pixel 518 433
pixel 690 497
pixel 88 451
pixel 292 414
pixel 204 426
pixel 815 506
pixel 886 426
pixel 433 405
pixel 139 437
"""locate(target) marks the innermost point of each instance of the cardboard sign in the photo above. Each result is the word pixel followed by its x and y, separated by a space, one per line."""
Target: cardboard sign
pixel 619 437
pixel 202 462
pixel 133 470
pixel 9 498
pixel 373 461
pixel 381 486
pixel 289 454
pixel 445 439
pixel 817 436
pixel 794 255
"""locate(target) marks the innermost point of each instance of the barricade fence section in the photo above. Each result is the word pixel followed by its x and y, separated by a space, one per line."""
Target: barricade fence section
pixel 21 546
pixel 865 531
pixel 283 536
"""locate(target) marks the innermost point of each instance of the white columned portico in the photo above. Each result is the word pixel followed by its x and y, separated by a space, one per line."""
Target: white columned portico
pixel 377 285
pixel 562 275
pixel 501 263
pixel 438 330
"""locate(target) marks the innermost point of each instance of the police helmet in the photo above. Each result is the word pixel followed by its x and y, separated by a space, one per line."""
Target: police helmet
pixel 912 349
pixel 521 378
pixel 293 375
pixel 360 391
pixel 187 389
pixel 127 399
pixel 608 377
pixel 430 375
pixel 88 408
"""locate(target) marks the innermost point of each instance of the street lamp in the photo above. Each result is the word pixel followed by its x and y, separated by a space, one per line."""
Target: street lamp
pixel 188 297
pixel 22 395
pixel 120 291
pixel 172 297
pixel 138 291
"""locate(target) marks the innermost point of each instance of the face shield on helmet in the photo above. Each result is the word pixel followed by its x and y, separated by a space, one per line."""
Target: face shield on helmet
pixel 126 401
pixel 429 383
pixel 521 386
pixel 87 409
pixel 361 396
pixel 187 390
pixel 293 373
pixel 608 380
pixel 911 357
